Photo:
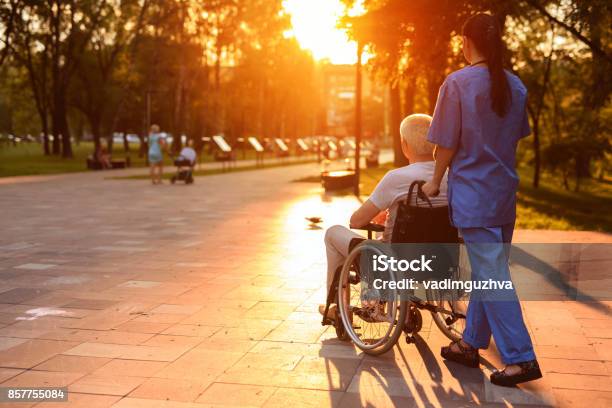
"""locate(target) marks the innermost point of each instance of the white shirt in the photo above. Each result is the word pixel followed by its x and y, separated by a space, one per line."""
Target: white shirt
pixel 189 154
pixel 394 187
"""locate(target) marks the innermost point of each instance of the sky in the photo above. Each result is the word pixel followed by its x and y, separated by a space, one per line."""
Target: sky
pixel 314 26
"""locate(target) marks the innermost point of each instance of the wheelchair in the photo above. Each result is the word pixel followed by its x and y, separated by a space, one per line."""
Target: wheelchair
pixel 375 326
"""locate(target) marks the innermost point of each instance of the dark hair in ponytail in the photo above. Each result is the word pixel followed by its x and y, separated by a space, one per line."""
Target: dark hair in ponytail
pixel 485 33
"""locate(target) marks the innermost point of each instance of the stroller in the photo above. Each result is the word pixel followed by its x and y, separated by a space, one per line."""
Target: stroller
pixel 185 164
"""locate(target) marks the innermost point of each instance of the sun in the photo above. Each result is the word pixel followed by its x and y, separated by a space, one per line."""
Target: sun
pixel 314 25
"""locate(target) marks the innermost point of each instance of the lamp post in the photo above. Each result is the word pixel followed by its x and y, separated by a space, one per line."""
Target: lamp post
pixel 358 127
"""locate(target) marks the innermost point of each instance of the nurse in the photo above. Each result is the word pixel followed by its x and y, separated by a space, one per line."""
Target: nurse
pixel 478 120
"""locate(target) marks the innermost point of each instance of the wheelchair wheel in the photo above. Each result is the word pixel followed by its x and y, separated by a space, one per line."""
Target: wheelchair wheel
pixel 451 321
pixel 374 326
pixel 452 303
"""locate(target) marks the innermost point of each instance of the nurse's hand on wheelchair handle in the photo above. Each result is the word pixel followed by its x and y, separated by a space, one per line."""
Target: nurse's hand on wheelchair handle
pixel 431 189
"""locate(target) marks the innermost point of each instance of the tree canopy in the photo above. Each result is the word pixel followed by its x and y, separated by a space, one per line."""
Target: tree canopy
pixel 561 50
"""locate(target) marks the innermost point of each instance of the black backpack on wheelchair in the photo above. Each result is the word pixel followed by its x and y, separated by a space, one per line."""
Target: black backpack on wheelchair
pixel 421 222
pixel 416 221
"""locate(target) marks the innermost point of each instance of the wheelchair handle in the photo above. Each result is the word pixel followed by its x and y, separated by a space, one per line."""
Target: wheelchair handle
pixel 419 194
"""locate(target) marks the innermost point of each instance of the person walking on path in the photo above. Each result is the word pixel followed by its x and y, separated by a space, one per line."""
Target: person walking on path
pixel 156 155
pixel 480 116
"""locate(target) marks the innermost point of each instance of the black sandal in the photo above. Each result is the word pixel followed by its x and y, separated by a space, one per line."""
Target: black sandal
pixel 530 370
pixel 468 356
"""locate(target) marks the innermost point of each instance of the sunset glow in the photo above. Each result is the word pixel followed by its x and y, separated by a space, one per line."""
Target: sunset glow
pixel 315 27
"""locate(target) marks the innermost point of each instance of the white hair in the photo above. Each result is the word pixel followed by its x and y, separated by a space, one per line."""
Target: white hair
pixel 413 131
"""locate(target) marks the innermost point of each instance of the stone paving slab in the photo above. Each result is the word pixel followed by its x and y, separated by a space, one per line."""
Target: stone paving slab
pixel 135 295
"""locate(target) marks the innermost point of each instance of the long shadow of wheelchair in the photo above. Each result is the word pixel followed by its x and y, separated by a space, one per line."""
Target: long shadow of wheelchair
pixel 389 377
pixel 564 277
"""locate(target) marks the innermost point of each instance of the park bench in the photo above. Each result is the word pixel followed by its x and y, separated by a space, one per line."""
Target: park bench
pixel 93 164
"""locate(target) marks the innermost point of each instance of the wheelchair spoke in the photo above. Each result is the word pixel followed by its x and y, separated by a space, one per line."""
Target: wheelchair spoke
pixel 370 322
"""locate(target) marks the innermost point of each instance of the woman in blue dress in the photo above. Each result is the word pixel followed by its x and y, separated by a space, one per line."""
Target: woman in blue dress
pixel 478 120
pixel 156 155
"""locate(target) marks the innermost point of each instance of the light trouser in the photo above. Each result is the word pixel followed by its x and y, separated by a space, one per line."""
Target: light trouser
pixel 486 313
pixel 337 241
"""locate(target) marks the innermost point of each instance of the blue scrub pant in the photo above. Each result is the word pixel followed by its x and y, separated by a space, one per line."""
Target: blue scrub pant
pixel 486 315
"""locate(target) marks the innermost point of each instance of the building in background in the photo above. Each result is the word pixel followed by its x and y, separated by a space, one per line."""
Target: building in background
pixel 338 103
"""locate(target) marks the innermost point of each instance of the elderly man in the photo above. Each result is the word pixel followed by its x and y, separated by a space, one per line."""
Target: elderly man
pixel 381 206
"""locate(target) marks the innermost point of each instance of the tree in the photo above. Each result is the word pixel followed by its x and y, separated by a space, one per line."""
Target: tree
pixel 536 53
pixel 49 38
pixel 8 17
pixel 408 40
pixel 105 67
pixel 413 49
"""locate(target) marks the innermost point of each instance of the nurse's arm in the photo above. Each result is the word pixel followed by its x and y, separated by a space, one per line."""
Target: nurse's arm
pixel 443 157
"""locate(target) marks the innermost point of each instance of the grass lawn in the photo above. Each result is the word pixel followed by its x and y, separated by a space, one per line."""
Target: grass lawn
pixel 547 207
pixel 552 207
pixel 28 159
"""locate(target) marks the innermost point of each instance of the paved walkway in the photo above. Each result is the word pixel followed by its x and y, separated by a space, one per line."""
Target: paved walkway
pixel 135 295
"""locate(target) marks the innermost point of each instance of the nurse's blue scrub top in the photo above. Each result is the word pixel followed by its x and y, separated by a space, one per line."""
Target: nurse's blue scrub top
pixel 482 179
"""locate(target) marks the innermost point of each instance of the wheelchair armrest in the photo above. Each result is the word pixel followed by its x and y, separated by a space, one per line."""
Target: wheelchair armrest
pixel 371 227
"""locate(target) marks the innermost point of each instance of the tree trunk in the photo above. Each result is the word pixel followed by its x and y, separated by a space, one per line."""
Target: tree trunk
pixel 535 116
pixel 95 130
pixel 536 146
pixel 110 143
pixel 583 168
pixel 179 108
pixel 217 92
pixel 126 144
pixel 143 148
pixel 45 131
pixel 398 156
pixel 66 140
pixel 433 87
pixel 46 147
pixel 577 187
pixel 358 117
pixel 60 125
pixel 56 136
pixel 260 108
pixel 409 95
